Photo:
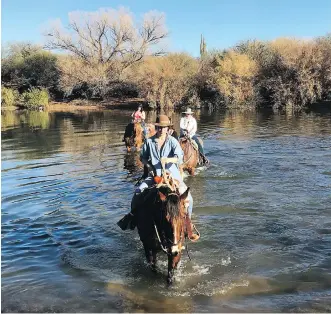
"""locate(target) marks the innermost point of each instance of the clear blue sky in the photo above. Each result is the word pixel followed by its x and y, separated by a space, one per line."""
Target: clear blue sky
pixel 223 22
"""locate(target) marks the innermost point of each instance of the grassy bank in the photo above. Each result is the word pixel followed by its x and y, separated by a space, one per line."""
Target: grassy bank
pixel 113 103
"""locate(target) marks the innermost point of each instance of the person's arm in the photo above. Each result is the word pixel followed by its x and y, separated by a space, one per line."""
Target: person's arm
pixel 177 150
pixel 145 159
pixel 183 126
pixel 144 155
pixel 194 127
pixel 133 114
pixel 143 116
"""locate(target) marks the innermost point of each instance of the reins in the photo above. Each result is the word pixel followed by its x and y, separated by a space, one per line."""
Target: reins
pixel 158 237
pixel 163 248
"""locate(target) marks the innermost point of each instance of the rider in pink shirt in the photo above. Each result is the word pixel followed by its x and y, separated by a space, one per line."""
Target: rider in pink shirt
pixel 139 114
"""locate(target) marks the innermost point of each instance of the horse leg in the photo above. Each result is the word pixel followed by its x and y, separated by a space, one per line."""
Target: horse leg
pixel 170 269
pixel 191 171
pixel 150 257
pixel 177 259
pixel 173 261
pixel 154 260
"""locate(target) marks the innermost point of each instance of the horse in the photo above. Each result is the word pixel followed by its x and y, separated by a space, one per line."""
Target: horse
pixel 162 222
pixel 192 157
pixel 134 135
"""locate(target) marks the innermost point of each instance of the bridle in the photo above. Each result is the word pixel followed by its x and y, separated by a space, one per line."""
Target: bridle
pixel 174 191
pixel 181 240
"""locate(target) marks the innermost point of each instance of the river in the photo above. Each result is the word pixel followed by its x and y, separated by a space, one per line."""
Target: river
pixel 263 208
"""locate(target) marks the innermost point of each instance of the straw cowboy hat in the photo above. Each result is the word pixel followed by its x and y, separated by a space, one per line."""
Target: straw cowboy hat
pixel 162 120
pixel 188 111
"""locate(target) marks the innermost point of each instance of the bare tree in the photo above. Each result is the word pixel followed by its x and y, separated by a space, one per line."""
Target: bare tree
pixel 108 37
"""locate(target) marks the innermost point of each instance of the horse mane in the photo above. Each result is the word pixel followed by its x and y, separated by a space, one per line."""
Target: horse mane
pixel 172 204
pixel 172 207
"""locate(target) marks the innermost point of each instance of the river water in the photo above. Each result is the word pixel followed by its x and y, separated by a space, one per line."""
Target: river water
pixel 263 208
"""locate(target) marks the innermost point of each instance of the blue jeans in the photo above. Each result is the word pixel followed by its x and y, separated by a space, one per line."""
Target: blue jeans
pixel 195 138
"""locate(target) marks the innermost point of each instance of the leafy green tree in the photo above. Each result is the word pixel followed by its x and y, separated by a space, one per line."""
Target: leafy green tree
pixel 25 66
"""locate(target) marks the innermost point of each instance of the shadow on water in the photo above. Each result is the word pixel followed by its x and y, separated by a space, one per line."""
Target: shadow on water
pixel 262 208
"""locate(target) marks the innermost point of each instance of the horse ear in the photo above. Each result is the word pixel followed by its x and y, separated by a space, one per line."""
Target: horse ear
pixel 163 197
pixel 185 194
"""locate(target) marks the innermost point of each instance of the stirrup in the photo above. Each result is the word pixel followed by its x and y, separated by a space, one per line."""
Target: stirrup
pixel 194 236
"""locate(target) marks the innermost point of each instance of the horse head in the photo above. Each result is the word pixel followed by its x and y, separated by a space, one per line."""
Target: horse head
pixel 191 155
pixel 172 219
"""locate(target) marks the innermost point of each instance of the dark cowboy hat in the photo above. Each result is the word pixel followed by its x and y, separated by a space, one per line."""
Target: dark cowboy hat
pixel 162 120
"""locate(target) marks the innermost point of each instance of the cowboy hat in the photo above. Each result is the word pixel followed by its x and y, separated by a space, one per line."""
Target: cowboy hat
pixel 188 111
pixel 162 120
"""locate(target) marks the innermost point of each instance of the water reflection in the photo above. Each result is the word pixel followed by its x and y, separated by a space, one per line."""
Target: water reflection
pixel 33 119
pixel 132 163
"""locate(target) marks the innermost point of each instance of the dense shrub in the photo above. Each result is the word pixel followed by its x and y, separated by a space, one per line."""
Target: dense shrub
pixel 25 66
pixel 8 96
pixel 233 75
pixel 282 73
pixel 165 80
pixel 35 98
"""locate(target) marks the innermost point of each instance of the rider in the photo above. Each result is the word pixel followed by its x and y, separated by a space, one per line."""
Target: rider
pixel 159 146
pixel 140 116
pixel 188 127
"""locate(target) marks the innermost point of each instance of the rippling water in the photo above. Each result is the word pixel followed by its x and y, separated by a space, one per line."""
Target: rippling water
pixel 263 208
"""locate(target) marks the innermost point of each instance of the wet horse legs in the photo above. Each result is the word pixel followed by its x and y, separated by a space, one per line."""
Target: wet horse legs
pixel 173 261
pixel 150 257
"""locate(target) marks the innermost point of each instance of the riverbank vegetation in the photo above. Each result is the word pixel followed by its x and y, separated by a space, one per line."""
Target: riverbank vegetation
pixel 107 54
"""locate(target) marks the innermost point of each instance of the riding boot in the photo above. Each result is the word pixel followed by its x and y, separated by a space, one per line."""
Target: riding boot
pixel 189 230
pixel 129 220
pixel 205 160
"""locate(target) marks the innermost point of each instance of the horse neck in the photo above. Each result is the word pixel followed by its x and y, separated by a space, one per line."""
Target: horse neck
pixel 186 144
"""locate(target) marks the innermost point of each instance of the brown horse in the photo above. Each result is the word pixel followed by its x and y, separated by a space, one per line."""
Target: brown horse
pixel 161 222
pixel 192 156
pixel 134 135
